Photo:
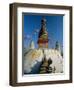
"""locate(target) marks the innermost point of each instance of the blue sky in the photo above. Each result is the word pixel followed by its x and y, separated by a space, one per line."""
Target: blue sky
pixel 54 26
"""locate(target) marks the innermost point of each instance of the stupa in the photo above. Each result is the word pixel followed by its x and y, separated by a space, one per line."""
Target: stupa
pixel 43 60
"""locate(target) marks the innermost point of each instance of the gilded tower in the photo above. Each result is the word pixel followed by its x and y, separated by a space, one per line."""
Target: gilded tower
pixel 43 35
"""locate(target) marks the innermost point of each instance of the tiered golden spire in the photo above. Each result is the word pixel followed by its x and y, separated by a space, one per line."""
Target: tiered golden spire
pixel 43 35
